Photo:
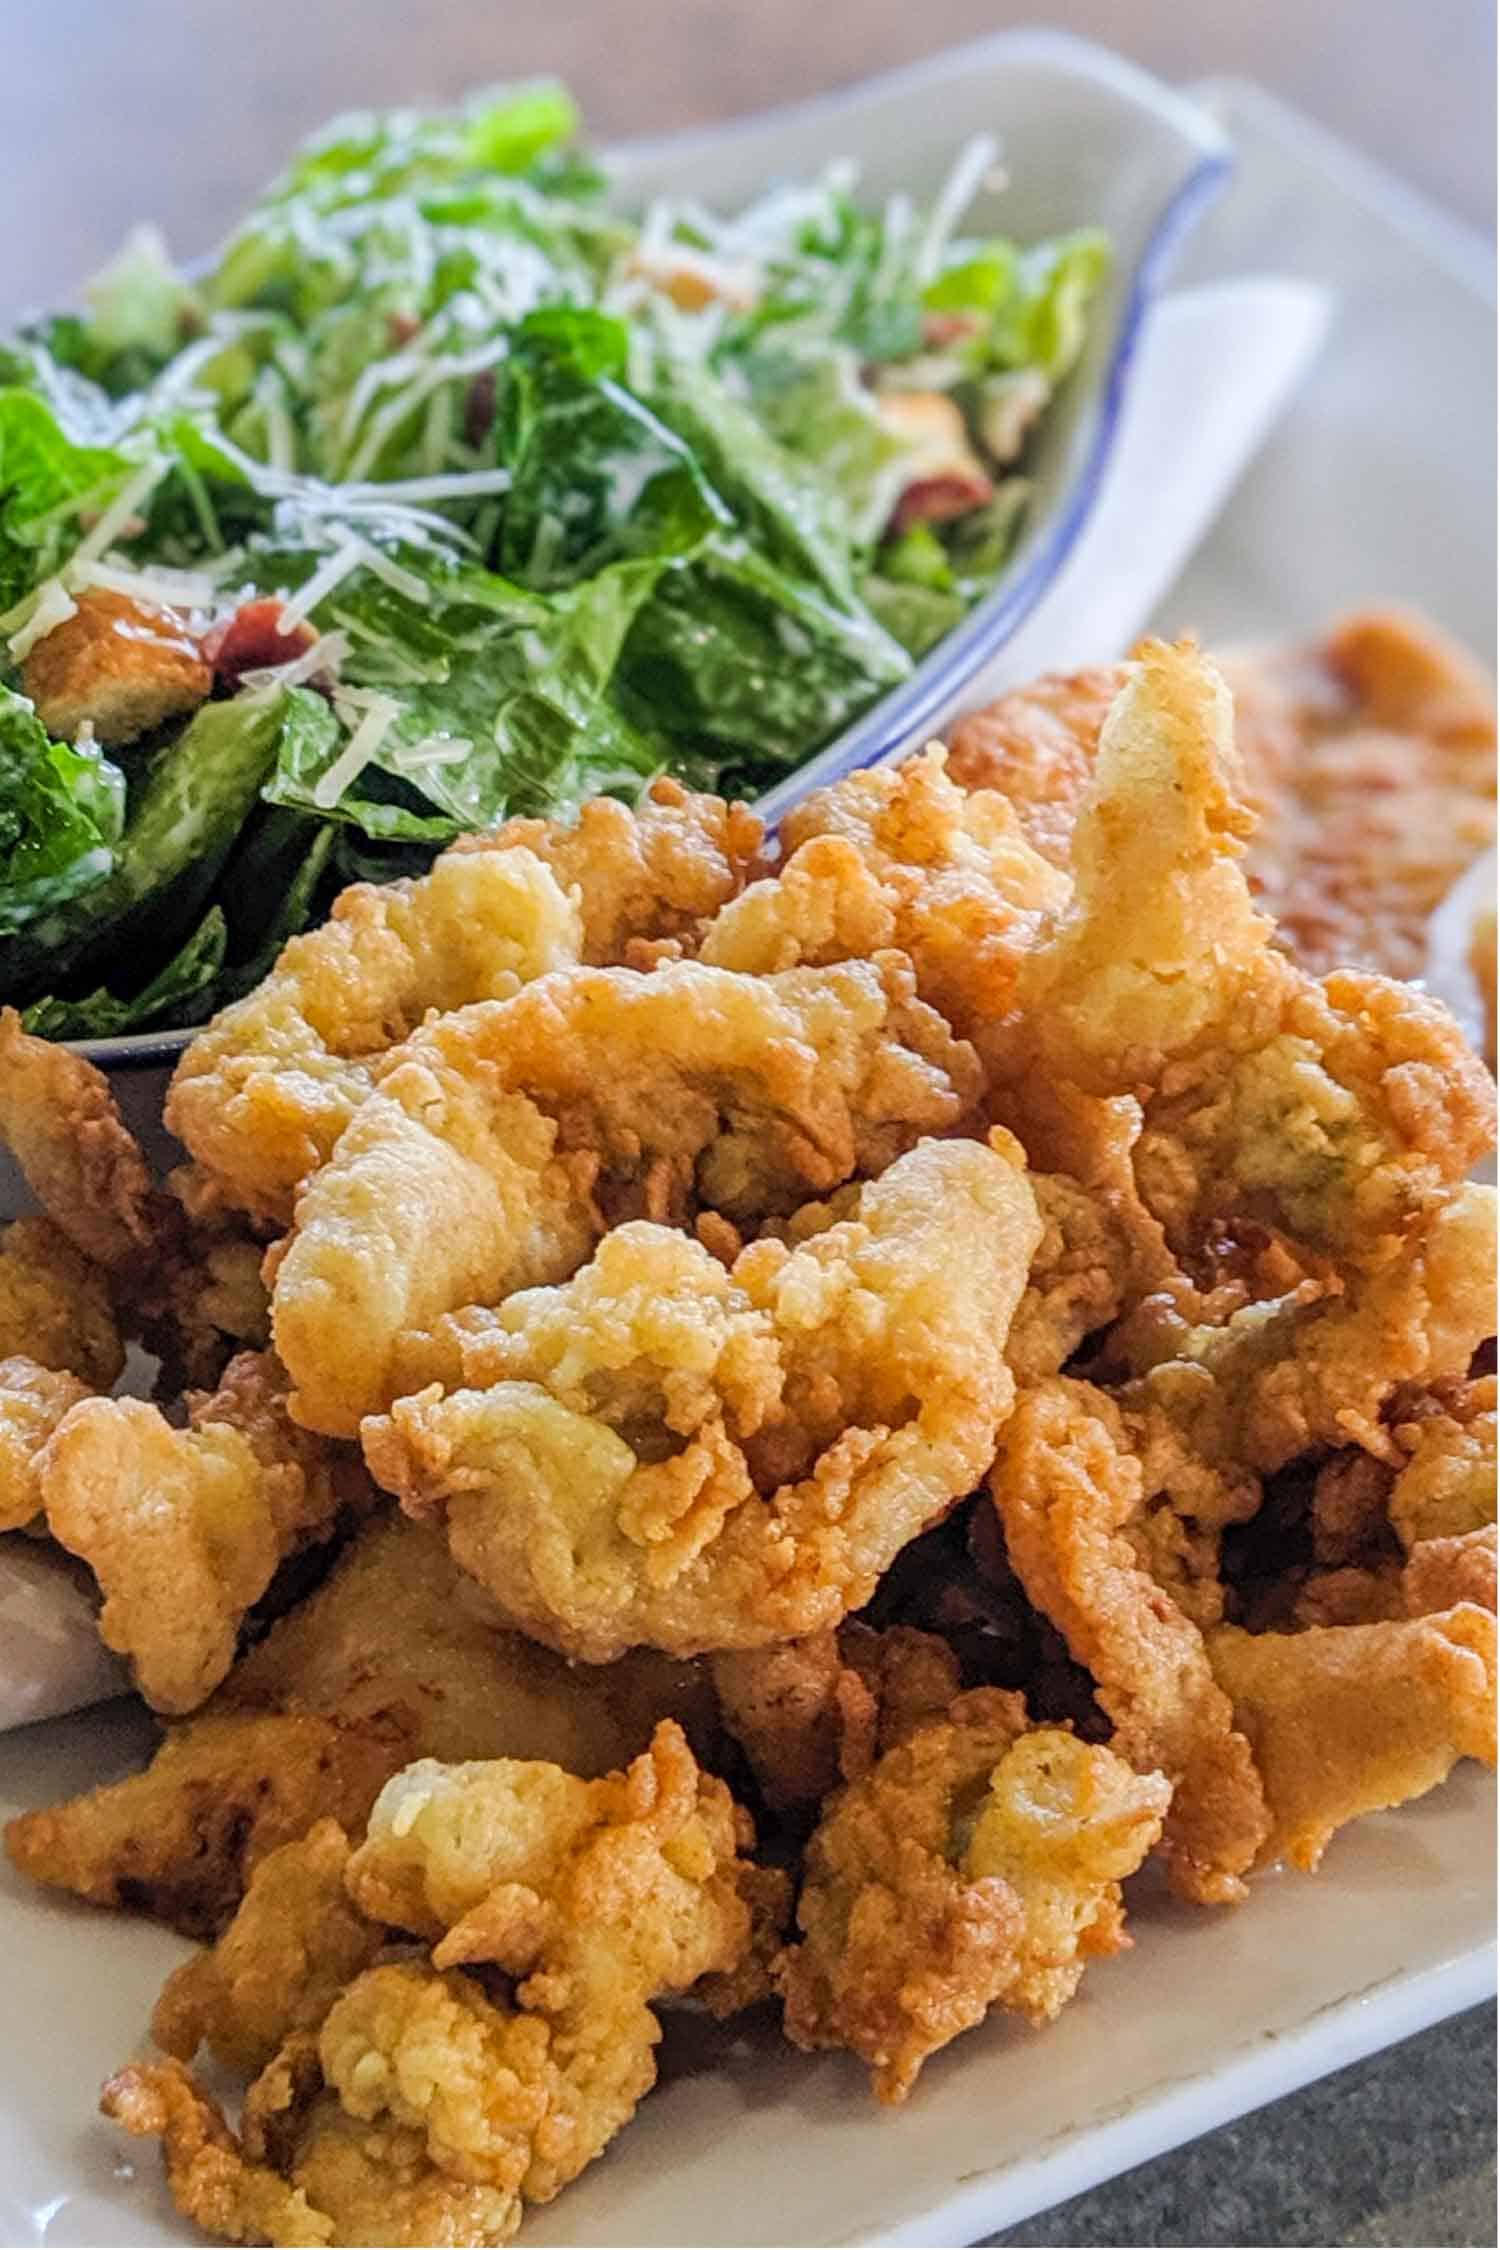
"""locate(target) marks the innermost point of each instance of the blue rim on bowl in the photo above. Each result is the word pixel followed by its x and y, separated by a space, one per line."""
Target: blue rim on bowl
pixel 1202 154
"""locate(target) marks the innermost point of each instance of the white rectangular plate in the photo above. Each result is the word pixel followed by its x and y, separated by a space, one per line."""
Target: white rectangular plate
pixel 1210 2014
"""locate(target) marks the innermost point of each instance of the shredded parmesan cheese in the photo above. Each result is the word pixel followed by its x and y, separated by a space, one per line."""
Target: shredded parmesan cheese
pixel 377 718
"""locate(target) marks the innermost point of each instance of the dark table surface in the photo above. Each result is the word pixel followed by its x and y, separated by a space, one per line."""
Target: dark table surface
pixel 175 110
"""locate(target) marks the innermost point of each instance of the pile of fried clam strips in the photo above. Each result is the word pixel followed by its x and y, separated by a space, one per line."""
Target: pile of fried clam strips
pixel 451 492
pixel 843 1401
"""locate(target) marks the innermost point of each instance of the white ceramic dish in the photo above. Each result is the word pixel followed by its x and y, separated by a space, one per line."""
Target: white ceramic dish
pixel 1209 2015
pixel 1087 140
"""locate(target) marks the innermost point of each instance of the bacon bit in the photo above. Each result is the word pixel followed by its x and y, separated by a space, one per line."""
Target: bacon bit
pixel 252 639
pixel 943 328
pixel 939 499
pixel 479 407
pixel 402 327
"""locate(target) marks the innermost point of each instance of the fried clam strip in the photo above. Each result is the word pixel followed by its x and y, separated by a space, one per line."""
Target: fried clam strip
pixel 33 1401
pixel 55 1307
pixel 669 1452
pixel 977 1865
pixel 653 872
pixel 504 1139
pixel 1350 1719
pixel 813 1712
pixel 1442 1504
pixel 1338 1112
pixel 184 1529
pixel 902 857
pixel 423 2109
pixel 263 1093
pixel 396 1656
pixel 1070 1485
pixel 1322 1363
pixel 59 1120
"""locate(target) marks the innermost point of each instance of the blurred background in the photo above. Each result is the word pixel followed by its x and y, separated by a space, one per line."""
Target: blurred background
pixel 177 110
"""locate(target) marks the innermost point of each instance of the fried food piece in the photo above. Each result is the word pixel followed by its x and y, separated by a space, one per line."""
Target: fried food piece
pixel 1350 1719
pixel 184 1529
pixel 1441 1573
pixel 181 1840
pixel 55 1307
pixel 504 1139
pixel 1446 1487
pixel 811 1713
pixel 1339 1112
pixel 59 1120
pixel 118 665
pixel 977 1865
pixel 1369 756
pixel 900 856
pixel 293 1945
pixel 1482 967
pixel 1322 1365
pixel 211 2182
pixel 661 1451
pixel 598 1898
pixel 33 1400
pixel 262 1094
pixel 395 1656
pixel 654 871
pixel 1069 1484
pixel 1094 1253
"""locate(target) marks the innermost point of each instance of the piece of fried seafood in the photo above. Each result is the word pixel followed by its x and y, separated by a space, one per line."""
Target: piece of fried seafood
pixel 503 1140
pixel 262 1094
pixel 1113 1530
pixel 1350 1719
pixel 413 2103
pixel 665 1450
pixel 60 1122
pixel 185 1529
pixel 1322 1362
pixel 33 1401
pixel 813 1712
pixel 651 873
pixel 976 1865
pixel 1339 1113
pixel 55 1306
pixel 1368 754
pixel 901 857
pixel 396 1655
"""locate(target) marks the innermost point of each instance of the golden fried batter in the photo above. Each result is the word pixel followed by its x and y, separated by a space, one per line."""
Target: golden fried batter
pixel 59 1120
pixel 504 1139
pixel 1069 1484
pixel 977 1865
pixel 263 1093
pixel 1346 1720
pixel 33 1400
pixel 663 1451
pixel 184 1529
pixel 55 1307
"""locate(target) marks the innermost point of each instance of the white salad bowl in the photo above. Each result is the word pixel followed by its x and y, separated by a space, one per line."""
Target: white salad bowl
pixel 1085 140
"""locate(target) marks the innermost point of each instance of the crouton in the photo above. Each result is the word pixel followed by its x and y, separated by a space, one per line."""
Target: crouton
pixel 122 664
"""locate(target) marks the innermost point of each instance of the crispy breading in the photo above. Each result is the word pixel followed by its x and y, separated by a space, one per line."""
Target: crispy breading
pixel 1441 1573
pixel 901 849
pixel 184 1529
pixel 55 1306
pixel 33 1400
pixel 1369 755
pixel 657 871
pixel 1446 1484
pixel 663 1451
pixel 395 1656
pixel 1069 1483
pixel 598 1898
pixel 977 1865
pixel 261 1095
pixel 293 1945
pixel 60 1122
pixel 504 1139
pixel 1345 1720
pixel 117 664
pixel 227 1788
pixel 1339 1112
pixel 211 2181
pixel 813 1712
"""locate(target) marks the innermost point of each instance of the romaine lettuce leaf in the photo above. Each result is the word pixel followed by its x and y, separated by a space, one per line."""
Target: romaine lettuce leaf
pixel 171 994
pixel 45 479
pixel 61 813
